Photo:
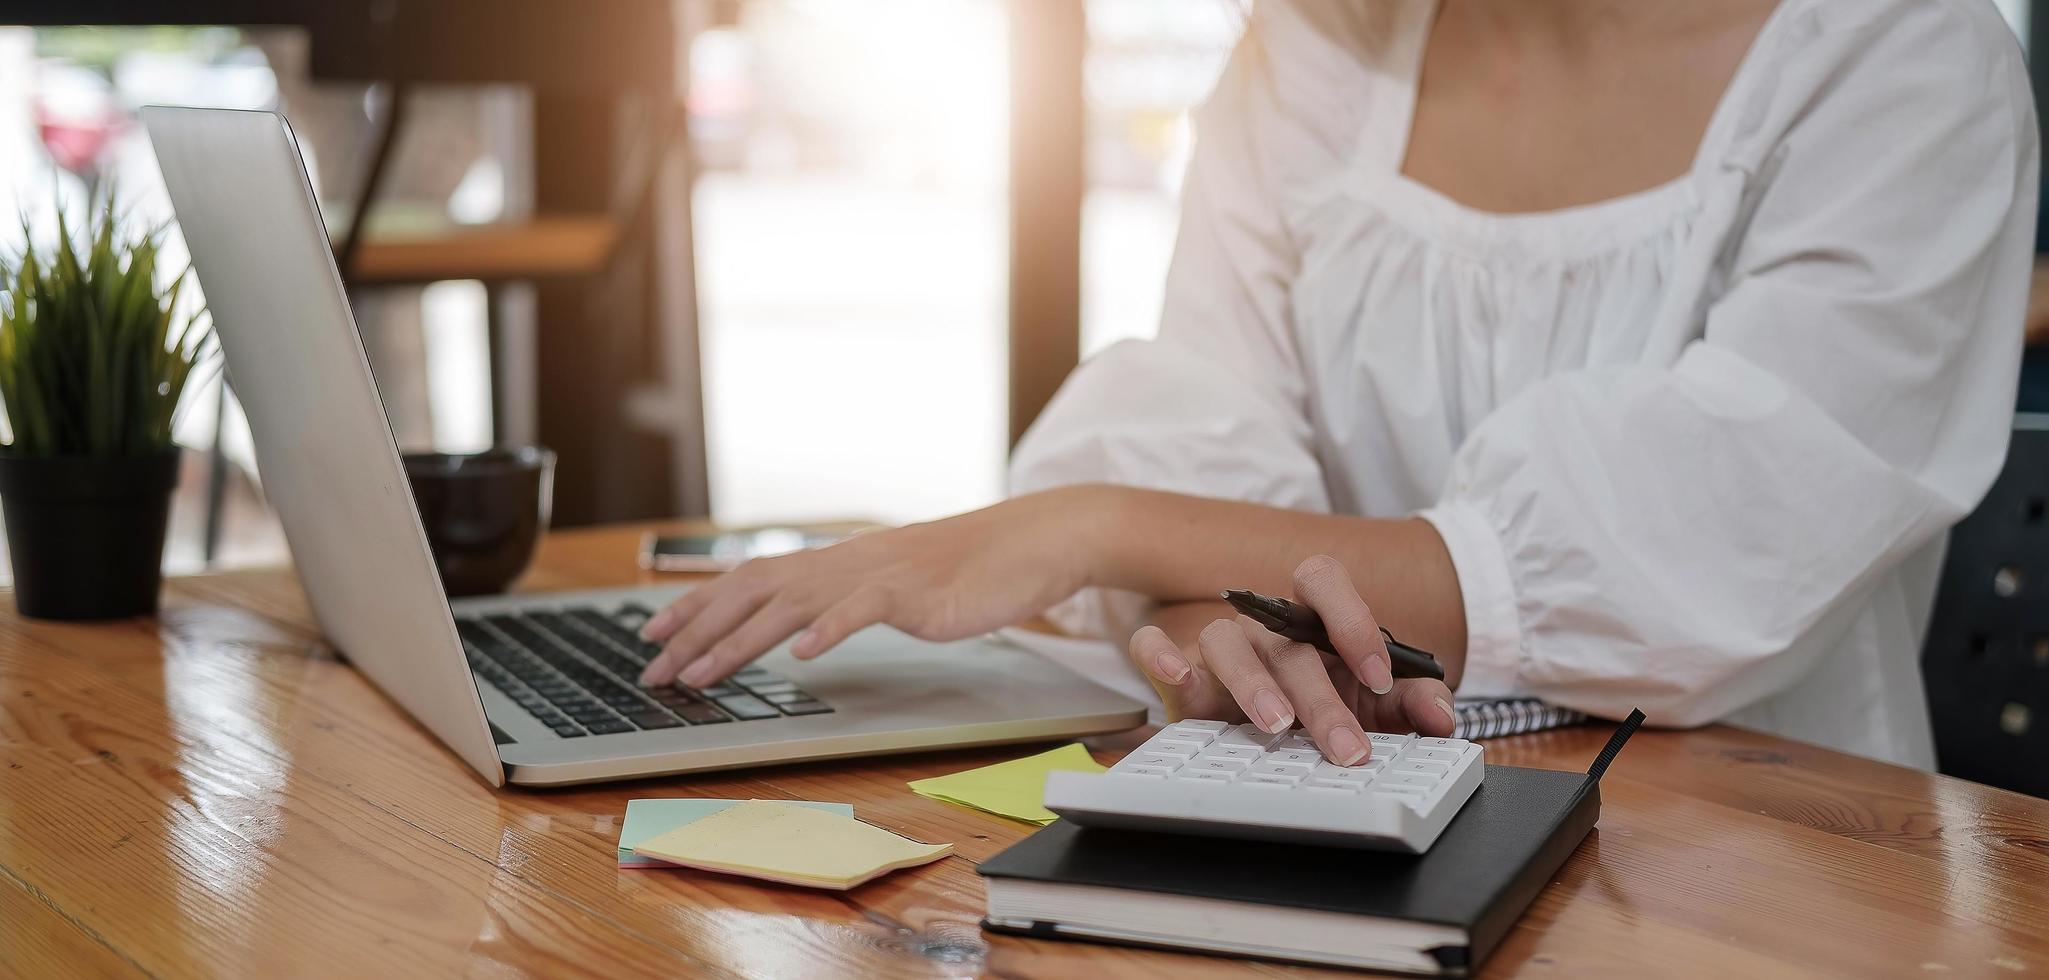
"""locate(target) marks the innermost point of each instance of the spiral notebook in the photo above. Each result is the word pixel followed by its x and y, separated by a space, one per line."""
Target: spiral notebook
pixel 1501 717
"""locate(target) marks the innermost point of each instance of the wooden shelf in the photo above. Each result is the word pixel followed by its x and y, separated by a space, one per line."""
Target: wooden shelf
pixel 542 248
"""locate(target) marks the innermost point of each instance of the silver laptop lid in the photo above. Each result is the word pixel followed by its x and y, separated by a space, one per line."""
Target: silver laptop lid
pixel 323 444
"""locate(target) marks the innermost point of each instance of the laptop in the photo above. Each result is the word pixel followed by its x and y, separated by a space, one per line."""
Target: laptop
pixel 534 689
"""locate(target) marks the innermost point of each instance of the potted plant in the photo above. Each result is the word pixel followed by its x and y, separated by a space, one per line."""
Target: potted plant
pixel 93 358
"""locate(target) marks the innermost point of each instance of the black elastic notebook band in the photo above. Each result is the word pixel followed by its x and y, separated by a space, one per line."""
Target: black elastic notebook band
pixel 1615 744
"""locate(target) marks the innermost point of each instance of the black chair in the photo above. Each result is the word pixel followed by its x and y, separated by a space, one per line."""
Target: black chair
pixel 1986 662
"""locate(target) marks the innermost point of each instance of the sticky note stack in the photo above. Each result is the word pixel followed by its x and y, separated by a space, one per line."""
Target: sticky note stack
pixel 1013 789
pixel 789 843
pixel 648 819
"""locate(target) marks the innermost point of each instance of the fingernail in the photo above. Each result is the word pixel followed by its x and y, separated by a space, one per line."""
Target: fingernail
pixel 1378 678
pixel 1171 667
pixel 697 674
pixel 801 646
pixel 656 625
pixel 1270 712
pixel 1445 706
pixel 1346 747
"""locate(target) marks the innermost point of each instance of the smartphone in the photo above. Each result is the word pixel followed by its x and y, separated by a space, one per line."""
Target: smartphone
pixel 719 552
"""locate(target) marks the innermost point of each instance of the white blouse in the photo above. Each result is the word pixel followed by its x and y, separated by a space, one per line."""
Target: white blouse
pixel 1693 449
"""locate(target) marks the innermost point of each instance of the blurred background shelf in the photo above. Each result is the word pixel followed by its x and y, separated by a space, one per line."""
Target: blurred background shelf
pixel 541 248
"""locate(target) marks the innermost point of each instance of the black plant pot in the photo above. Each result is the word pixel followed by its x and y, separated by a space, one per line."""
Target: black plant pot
pixel 86 534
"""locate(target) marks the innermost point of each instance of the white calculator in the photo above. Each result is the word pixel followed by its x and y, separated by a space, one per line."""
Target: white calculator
pixel 1214 779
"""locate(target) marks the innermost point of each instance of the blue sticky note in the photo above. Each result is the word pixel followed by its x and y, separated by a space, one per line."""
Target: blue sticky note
pixel 647 819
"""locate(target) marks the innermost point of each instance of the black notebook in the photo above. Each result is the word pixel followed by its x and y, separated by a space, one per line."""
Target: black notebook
pixel 1439 913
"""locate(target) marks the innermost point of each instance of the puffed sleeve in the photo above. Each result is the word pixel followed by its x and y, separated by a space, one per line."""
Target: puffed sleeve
pixel 1215 404
pixel 1692 539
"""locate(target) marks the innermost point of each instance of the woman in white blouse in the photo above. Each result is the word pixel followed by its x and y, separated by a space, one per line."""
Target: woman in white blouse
pixel 1621 354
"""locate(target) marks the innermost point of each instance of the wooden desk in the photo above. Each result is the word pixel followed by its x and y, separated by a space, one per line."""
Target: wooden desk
pixel 212 794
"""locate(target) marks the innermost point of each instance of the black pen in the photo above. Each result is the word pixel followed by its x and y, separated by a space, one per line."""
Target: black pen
pixel 1300 623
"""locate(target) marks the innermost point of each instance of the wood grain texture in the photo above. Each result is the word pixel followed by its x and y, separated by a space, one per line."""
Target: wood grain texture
pixel 213 793
pixel 548 246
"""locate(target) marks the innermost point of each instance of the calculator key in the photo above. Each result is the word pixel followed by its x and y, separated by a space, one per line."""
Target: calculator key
pixel 1431 767
pixel 1333 786
pixel 1446 756
pixel 1181 732
pixel 1205 775
pixel 1245 752
pixel 1333 771
pixel 1388 739
pixel 1199 725
pixel 1245 735
pixel 1454 744
pixel 1296 743
pixel 1416 779
pixel 809 707
pixel 1295 758
pixel 772 687
pixel 1292 774
pixel 1218 765
pixel 1371 763
pixel 1140 768
pixel 1173 747
pixel 1164 763
pixel 1264 780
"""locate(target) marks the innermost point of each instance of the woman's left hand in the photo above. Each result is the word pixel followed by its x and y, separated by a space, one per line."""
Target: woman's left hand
pixel 1240 667
pixel 946 580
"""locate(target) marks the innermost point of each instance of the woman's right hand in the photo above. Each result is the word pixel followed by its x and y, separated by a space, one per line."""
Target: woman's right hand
pixel 1239 670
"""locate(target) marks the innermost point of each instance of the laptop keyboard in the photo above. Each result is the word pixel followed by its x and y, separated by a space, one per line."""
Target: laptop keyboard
pixel 575 670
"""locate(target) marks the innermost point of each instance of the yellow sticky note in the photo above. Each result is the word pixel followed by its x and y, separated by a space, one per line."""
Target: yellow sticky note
pixel 1014 789
pixel 791 844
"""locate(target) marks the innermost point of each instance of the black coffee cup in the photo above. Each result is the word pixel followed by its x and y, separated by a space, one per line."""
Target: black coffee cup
pixel 483 512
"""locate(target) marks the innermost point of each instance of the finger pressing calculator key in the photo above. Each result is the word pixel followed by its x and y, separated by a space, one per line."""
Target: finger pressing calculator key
pixel 1214 779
